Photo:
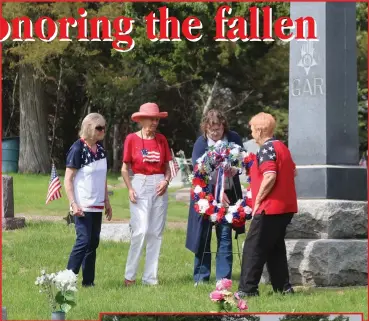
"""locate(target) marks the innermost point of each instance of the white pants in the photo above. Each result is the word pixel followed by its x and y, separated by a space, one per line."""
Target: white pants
pixel 147 223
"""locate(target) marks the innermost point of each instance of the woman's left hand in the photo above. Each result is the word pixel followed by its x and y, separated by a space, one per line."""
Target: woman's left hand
pixel 162 187
pixel 108 211
pixel 232 171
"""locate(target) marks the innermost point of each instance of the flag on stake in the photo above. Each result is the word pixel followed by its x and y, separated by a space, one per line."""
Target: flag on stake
pixel 174 167
pixel 54 191
pixel 363 161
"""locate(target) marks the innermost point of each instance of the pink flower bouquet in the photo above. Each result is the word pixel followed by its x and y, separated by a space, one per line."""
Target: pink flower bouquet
pixel 226 300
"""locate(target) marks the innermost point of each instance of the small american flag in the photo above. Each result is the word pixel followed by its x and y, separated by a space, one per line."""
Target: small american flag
pixel 363 161
pixel 151 157
pixel 54 192
pixel 174 167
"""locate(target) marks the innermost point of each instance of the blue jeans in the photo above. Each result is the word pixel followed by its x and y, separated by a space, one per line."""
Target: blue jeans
pixel 224 257
pixel 84 251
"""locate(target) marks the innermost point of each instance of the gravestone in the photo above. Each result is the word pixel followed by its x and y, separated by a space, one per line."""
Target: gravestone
pixel 181 179
pixel 117 232
pixel 9 221
pixel 251 146
pixel 326 241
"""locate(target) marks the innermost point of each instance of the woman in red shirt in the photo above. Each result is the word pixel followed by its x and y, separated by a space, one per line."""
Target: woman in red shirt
pixel 274 204
pixel 146 153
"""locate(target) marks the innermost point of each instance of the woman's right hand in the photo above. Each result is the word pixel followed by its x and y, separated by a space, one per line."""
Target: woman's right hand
pixel 77 210
pixel 132 195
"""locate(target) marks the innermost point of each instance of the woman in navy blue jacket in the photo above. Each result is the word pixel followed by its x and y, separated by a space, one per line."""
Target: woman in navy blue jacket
pixel 214 127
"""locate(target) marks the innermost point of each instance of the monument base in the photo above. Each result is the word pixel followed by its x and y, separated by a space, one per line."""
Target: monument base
pixel 13 223
pixel 329 219
pixel 324 263
pixel 332 182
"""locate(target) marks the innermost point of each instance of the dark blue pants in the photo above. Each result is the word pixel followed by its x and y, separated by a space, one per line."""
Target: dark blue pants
pixel 224 257
pixel 84 251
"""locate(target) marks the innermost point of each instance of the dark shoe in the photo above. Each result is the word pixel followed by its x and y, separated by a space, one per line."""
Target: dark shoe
pixel 88 285
pixel 242 294
pixel 289 291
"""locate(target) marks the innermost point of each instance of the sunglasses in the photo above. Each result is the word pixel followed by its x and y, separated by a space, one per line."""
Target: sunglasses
pixel 100 128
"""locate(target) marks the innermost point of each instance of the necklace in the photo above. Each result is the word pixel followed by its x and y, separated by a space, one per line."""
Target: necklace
pixel 144 151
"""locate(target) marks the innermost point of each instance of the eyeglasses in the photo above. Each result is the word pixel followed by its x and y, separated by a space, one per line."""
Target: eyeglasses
pixel 100 128
pixel 214 131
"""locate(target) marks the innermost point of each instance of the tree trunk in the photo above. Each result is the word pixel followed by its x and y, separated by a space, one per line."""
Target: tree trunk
pixel 211 94
pixel 116 148
pixel 33 129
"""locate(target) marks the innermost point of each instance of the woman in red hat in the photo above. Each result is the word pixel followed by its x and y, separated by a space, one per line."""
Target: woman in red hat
pixel 146 153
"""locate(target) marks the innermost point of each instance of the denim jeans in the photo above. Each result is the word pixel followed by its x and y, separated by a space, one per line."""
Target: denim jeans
pixel 84 251
pixel 224 257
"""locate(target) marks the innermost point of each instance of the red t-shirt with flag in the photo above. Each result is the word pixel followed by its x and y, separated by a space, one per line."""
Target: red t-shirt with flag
pixel 275 157
pixel 146 156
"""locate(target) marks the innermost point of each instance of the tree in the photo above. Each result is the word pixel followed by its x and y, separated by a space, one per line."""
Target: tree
pixel 183 77
pixel 33 153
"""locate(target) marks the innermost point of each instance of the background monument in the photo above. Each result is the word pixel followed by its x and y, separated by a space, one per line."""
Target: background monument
pixel 327 240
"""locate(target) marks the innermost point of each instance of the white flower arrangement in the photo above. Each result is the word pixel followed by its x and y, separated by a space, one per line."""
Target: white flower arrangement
pixel 60 289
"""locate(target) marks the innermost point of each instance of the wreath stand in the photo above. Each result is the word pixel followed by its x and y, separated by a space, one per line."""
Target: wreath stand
pixel 205 252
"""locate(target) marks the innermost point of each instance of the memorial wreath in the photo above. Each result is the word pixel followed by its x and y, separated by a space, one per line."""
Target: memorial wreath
pixel 221 157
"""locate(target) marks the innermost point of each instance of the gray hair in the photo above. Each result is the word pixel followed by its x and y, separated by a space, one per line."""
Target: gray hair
pixel 89 123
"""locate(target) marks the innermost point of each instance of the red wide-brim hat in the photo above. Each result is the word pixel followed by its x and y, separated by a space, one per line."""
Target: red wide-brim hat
pixel 149 110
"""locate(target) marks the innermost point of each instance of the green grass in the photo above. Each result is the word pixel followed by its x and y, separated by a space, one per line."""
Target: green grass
pixel 30 195
pixel 46 245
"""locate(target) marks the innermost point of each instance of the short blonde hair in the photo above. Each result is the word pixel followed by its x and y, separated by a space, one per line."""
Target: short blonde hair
pixel 89 123
pixel 265 122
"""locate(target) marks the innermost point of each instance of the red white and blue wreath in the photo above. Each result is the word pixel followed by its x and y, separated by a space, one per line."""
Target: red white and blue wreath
pixel 221 157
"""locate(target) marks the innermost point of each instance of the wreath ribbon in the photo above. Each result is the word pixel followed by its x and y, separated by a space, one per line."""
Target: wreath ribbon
pixel 219 186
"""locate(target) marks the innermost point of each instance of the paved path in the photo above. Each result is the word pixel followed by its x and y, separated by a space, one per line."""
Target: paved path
pixel 172 225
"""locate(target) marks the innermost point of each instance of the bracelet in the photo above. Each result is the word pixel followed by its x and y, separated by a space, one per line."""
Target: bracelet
pixel 167 182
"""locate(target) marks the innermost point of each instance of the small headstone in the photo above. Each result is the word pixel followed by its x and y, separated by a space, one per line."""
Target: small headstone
pixel 177 181
pixel 9 222
pixel 251 146
pixel 181 179
pixel 183 195
pixel 8 197
pixel 116 232
pixel 4 314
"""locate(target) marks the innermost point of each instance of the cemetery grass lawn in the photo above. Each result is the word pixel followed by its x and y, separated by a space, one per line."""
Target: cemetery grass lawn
pixel 30 197
pixel 46 245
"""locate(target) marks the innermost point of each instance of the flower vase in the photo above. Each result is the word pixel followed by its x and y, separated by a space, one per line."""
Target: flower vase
pixel 58 315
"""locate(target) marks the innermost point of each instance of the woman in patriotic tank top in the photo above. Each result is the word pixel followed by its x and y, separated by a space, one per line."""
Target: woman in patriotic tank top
pixel 146 153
